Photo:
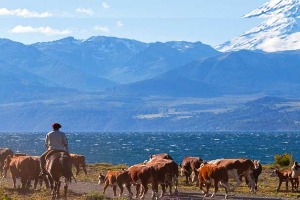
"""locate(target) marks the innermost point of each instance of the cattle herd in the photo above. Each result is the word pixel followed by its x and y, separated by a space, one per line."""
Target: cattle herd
pixel 160 170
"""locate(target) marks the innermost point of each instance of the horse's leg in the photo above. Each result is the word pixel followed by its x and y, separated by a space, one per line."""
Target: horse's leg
pixel 65 189
pixel 58 189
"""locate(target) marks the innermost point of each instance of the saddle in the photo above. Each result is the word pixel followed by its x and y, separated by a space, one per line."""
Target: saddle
pixel 51 152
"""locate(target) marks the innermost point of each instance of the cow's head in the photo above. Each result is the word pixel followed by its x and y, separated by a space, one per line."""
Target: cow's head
pixel 101 178
pixel 256 164
pixel 295 170
pixel 274 173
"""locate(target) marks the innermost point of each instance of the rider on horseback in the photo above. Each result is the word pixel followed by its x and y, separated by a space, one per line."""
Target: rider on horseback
pixel 55 140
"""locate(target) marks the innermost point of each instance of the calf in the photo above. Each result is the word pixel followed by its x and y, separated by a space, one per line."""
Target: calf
pixel 78 161
pixel 208 173
pixel 189 166
pixel 256 172
pixel 114 179
pixel 237 168
pixel 20 166
pixel 285 176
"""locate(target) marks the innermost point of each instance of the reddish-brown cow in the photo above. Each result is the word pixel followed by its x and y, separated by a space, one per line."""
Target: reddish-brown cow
pixel 20 166
pixel 208 173
pixel 190 165
pixel 237 168
pixel 78 161
pixel 166 172
pixel 142 175
pixel 285 176
pixel 114 179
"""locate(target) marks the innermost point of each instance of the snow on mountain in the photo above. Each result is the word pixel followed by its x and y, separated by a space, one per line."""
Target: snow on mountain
pixel 279 32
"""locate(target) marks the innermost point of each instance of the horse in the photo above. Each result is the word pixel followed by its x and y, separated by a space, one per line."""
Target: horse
pixel 59 164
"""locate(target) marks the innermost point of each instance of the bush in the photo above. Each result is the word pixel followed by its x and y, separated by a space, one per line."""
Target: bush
pixel 283 160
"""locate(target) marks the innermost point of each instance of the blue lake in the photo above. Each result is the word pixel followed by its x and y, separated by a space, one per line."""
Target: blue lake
pixel 131 148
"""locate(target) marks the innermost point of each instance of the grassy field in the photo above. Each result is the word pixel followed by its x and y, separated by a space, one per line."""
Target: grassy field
pixel 267 186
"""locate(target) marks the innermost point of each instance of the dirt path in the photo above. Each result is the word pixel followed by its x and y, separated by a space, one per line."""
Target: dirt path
pixel 84 188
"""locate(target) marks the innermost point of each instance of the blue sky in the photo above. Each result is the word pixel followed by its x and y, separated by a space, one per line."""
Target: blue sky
pixel 209 21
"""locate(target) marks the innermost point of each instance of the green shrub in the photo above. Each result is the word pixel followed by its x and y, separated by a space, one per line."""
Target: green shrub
pixel 283 160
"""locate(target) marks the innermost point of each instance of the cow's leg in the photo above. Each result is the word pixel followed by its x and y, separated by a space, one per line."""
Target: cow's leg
pixel 226 186
pixel 280 181
pixel 287 185
pixel 154 190
pixel 77 168
pixel 145 190
pixel 251 181
pixel 163 190
pixel 84 169
pixel 216 188
pixel 105 186
pixel 137 189
pixel 14 181
pixel 120 185
pixel 233 173
pixel 115 190
pixel 128 186
pixel 201 185
pixel 24 182
pixel 208 184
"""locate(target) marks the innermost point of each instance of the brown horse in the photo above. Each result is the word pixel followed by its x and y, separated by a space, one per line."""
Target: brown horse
pixel 59 164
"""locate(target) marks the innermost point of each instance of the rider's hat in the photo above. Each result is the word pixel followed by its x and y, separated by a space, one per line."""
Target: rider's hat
pixel 56 126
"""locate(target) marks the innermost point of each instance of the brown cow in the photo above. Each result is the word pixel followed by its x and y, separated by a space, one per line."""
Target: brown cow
pixel 142 175
pixel 237 168
pixel 190 165
pixel 166 173
pixel 4 152
pixel 285 176
pixel 114 179
pixel 78 161
pixel 20 166
pixel 208 173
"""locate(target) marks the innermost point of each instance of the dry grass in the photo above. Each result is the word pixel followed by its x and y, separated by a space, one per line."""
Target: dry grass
pixel 266 186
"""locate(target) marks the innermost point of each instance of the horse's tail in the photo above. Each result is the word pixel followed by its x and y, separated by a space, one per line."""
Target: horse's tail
pixel 66 164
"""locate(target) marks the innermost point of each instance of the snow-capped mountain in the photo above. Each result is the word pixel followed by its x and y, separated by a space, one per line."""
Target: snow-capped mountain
pixel 279 32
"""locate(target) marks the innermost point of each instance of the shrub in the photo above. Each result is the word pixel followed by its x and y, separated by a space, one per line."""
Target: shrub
pixel 283 160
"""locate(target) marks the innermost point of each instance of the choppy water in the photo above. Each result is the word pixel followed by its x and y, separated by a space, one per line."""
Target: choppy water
pixel 131 148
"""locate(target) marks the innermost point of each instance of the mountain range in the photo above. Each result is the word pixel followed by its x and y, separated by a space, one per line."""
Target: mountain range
pixel 118 84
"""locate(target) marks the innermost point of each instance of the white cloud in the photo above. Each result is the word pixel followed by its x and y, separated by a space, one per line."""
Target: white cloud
pixel 120 24
pixel 103 29
pixel 86 11
pixel 105 5
pixel 24 13
pixel 44 30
